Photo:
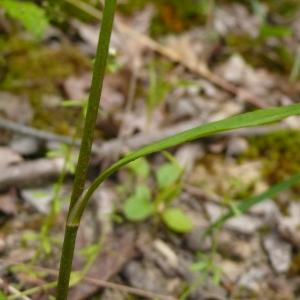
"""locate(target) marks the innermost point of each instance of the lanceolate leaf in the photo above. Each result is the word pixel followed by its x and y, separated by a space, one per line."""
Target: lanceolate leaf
pixel 250 119
pixel 246 204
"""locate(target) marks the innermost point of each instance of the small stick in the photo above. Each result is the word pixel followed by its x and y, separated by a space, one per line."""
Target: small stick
pixel 36 133
pixel 41 170
pixel 100 283
pixel 117 145
pixel 174 56
pixel 12 290
pixel 200 69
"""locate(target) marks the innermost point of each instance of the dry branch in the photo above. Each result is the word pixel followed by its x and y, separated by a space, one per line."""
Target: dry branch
pixel 174 56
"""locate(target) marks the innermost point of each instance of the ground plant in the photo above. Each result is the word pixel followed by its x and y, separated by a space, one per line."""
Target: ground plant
pixel 142 204
pixel 80 197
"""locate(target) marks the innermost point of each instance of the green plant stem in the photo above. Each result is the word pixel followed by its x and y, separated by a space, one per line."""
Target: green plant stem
pixel 94 99
pixel 86 145
pixel 66 262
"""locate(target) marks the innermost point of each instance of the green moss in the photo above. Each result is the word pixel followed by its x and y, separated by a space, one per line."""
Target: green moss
pixel 277 58
pixel 37 71
pixel 284 8
pixel 31 66
pixel 295 265
pixel 279 152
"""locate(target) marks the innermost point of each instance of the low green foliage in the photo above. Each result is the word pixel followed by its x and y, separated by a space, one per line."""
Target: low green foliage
pixel 250 119
pixel 45 68
pixel 80 198
pixel 139 207
pixel 207 267
pixel 279 58
pixel 168 174
pixel 268 49
pixel 172 15
pixel 246 204
pixel 279 153
pixel 267 31
pixel 142 204
pixel 140 168
pixel 31 16
pixel 177 220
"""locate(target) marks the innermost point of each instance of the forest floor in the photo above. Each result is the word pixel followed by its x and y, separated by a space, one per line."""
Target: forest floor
pixel 171 66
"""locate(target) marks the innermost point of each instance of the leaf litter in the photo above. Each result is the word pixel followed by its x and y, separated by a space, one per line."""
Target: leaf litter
pixel 250 248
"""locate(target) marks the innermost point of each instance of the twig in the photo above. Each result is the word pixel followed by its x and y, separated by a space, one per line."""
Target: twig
pixel 131 143
pixel 12 290
pixel 199 69
pixel 170 53
pixel 32 291
pixel 26 173
pixel 118 145
pixel 103 283
pixel 127 289
pixel 36 133
pixel 199 193
pixel 38 171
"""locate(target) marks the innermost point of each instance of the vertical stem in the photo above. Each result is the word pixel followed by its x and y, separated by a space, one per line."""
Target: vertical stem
pixel 86 145
pixel 94 99
pixel 66 262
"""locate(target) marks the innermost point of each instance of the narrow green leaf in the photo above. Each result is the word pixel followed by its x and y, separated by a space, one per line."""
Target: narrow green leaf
pixel 250 119
pixel 246 204
pixel 177 220
pixel 168 174
pixel 139 207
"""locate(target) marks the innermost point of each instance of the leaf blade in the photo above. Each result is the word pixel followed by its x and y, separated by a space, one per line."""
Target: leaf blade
pixel 177 220
pixel 250 119
pixel 139 207
pixel 167 175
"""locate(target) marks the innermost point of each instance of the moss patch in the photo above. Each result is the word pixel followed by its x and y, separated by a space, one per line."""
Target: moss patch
pixel 277 58
pixel 37 71
pixel 279 152
pixel 31 66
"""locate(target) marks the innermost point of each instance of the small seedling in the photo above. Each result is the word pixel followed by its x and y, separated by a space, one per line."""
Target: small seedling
pixel 166 177
pixel 81 196
pixel 140 205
